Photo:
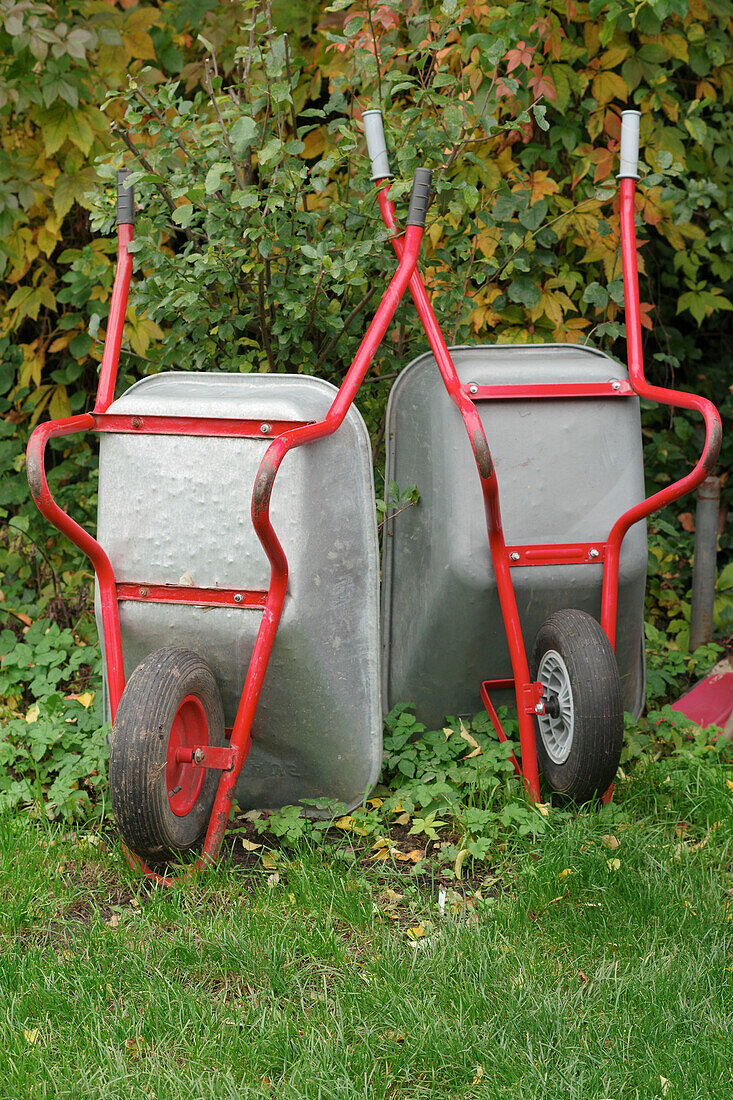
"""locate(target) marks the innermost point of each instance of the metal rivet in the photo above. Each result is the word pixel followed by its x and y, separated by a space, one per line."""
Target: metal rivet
pixel 143 591
pixel 593 553
pixel 615 385
pixel 539 708
pixel 514 556
pixel 136 422
pixel 198 756
pixel 265 428
pixel 238 598
pixel 473 388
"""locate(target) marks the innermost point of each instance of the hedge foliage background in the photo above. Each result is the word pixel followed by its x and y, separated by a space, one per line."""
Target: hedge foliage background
pixel 258 242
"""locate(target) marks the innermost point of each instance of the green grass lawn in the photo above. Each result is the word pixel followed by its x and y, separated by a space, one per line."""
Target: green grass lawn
pixel 592 962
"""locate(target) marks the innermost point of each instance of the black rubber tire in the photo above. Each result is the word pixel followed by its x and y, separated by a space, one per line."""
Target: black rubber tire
pixel 598 718
pixel 137 760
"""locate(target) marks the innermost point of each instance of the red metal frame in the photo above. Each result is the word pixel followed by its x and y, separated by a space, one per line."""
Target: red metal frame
pixel 282 437
pixel 606 551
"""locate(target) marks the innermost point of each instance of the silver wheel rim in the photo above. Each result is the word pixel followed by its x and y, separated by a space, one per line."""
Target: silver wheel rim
pixel 556 733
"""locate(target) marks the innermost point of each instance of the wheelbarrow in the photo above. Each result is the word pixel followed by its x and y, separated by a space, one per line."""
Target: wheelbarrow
pixel 238 662
pixel 564 563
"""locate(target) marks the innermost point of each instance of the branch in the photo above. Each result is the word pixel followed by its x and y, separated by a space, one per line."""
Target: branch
pixel 162 120
pixel 225 133
pixel 334 341
pixel 161 188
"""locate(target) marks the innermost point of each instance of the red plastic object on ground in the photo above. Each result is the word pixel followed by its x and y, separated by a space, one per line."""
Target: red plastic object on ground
pixel 710 703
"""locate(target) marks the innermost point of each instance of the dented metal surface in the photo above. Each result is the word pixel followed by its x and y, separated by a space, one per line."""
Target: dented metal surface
pixel 174 507
pixel 566 471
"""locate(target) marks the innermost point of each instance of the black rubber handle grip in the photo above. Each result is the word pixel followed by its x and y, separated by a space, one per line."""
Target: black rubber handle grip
pixel 125 199
pixel 420 197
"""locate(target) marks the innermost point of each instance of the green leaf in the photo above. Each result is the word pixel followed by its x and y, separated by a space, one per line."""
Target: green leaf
pixel 215 174
pixel 596 295
pixel 524 291
pixel 242 134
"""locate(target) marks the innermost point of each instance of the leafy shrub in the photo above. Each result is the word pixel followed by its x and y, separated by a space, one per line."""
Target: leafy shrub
pixel 53 753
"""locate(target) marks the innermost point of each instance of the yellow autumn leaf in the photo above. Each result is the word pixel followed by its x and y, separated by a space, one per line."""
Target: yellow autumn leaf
pixel 268 861
pixel 350 825
pixel 249 845
pixel 413 856
pixel 479 1075
pixel 86 699
pixel 564 873
pixel 613 864
pixel 729 784
pixel 543 808
pixel 460 860
pixel 610 841
pixel 31 1035
pixel 416 932
pixel 32 713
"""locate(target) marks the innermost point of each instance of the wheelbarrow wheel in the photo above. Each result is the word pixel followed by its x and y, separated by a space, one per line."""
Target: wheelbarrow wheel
pixel 579 738
pixel 162 806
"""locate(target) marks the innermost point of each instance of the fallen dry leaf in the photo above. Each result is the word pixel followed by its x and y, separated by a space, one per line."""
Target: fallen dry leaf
pixel 416 932
pixel 31 1035
pixel 268 861
pixel 249 845
pixel 395 1036
pixel 471 741
pixel 460 860
pixel 565 872
pixel 610 841
pixel 613 864
pixel 414 855
pixel 132 1046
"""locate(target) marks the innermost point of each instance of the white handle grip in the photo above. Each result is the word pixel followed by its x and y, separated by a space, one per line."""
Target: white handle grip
pixel 376 145
pixel 629 145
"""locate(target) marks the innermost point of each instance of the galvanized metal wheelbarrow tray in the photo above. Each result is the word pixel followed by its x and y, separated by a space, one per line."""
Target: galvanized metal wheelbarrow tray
pixel 565 445
pixel 191 590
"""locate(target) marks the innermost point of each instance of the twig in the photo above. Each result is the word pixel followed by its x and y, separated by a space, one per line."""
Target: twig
pixel 376 52
pixel 263 323
pixel 465 288
pixel 162 190
pixel 334 340
pixel 225 133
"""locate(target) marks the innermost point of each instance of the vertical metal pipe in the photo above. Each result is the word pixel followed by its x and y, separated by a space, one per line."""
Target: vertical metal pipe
pixel 703 572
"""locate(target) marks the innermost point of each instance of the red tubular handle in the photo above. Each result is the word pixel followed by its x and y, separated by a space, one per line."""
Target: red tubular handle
pixel 35 464
pixel 116 322
pixel 675 398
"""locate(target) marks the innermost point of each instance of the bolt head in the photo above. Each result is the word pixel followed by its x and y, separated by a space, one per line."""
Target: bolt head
pixel 198 756
pixel 539 708
pixel 514 556
pixel 238 598
pixel 265 428
pixel 593 553
pixel 136 422
pixel 473 388
pixel 616 385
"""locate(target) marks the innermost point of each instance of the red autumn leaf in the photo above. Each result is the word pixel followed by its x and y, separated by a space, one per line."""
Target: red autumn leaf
pixel 521 56
pixel 542 85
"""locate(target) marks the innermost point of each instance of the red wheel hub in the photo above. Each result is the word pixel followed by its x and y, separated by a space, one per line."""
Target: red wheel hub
pixel 188 731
